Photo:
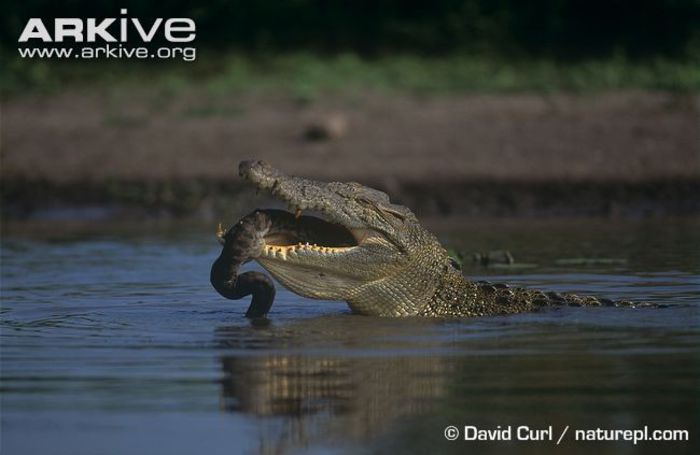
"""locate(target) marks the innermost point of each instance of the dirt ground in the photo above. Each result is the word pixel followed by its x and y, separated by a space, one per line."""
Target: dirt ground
pixel 624 136
pixel 468 155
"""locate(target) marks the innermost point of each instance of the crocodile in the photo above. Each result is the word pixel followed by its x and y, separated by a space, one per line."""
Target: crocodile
pixel 359 247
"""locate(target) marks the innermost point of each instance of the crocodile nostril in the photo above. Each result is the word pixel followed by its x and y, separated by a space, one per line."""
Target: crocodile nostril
pixel 244 167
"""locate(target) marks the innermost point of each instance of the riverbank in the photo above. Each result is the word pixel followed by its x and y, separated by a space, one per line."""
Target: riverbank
pixel 91 154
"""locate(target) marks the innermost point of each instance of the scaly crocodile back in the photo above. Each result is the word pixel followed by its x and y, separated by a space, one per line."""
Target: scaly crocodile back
pixel 457 296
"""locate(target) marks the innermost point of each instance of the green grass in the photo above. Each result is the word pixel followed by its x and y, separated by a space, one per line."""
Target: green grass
pixel 306 77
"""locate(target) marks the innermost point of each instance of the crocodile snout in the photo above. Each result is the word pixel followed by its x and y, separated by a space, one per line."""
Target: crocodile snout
pixel 258 172
pixel 248 166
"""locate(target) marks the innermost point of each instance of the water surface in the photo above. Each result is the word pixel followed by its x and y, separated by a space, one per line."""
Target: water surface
pixel 114 342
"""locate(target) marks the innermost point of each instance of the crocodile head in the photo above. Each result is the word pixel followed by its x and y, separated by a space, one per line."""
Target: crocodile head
pixel 359 247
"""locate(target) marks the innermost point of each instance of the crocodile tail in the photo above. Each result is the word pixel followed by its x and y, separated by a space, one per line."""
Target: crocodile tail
pixel 556 298
pixel 567 299
pixel 506 295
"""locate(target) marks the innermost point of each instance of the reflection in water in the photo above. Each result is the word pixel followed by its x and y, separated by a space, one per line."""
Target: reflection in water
pixel 393 386
pixel 329 397
pixel 324 397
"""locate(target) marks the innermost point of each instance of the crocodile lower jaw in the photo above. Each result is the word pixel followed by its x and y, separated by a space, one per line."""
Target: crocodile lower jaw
pixel 302 250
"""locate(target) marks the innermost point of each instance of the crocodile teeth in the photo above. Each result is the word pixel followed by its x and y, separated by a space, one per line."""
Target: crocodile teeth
pixel 220 232
pixel 282 252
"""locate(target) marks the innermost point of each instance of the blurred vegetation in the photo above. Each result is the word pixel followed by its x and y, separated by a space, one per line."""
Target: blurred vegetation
pixel 307 47
pixel 305 77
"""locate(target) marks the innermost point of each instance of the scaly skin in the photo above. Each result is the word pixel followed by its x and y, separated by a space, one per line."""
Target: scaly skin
pixel 372 254
pixel 457 296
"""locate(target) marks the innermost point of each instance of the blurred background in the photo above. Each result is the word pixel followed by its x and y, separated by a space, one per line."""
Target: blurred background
pixel 463 108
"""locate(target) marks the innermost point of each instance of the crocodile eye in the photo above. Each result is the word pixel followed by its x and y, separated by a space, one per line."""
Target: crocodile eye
pixel 455 263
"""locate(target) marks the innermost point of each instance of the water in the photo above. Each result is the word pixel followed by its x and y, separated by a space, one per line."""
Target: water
pixel 114 342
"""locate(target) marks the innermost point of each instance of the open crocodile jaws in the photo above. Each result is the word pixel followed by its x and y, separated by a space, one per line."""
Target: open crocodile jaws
pixel 363 249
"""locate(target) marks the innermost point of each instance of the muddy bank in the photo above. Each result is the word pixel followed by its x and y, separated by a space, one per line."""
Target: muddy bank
pixel 216 200
pixel 103 155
